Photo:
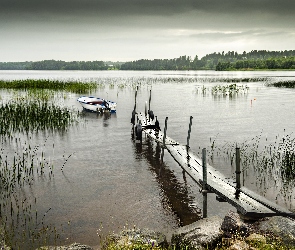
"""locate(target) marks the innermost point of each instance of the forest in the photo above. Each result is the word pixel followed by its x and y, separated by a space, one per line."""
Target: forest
pixel 54 65
pixel 231 60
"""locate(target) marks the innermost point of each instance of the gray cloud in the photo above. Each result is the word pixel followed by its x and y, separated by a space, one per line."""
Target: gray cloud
pixel 145 7
pixel 141 28
pixel 200 14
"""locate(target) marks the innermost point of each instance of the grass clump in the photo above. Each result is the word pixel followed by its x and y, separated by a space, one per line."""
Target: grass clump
pixel 268 244
pixel 28 116
pixel 282 84
pixel 223 90
pixel 253 241
pixel 230 89
pixel 69 86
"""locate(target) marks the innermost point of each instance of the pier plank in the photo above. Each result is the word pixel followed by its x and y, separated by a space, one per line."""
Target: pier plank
pixel 247 202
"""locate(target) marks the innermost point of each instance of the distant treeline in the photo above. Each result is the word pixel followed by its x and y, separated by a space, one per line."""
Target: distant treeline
pixel 14 65
pixel 256 59
pixel 270 63
pixel 54 65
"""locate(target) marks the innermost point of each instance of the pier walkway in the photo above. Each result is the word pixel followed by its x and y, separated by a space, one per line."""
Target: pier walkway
pixel 247 202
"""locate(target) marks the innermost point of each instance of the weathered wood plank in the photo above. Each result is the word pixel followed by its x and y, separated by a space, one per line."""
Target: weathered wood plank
pixel 246 201
pixel 244 204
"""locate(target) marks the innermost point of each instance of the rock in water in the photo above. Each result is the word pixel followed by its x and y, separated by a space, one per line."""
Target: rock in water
pixel 202 233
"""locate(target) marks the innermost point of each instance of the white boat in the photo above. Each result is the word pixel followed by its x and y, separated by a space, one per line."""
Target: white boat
pixel 96 104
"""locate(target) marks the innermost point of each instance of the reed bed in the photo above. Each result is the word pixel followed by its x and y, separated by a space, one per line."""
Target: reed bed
pixel 230 89
pixel 23 225
pixel 272 163
pixel 27 116
pixel 224 90
pixel 69 86
pixel 282 84
pixel 29 112
pixel 90 85
pixel 133 82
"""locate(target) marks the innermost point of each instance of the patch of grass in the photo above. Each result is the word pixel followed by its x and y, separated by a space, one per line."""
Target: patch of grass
pixel 282 84
pixel 69 86
pixel 28 116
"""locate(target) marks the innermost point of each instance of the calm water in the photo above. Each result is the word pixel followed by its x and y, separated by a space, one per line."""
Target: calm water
pixel 109 182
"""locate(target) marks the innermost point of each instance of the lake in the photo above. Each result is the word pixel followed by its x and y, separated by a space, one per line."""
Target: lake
pixel 104 182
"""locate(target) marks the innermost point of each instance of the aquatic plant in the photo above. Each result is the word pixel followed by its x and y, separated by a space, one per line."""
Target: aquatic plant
pixel 27 116
pixel 281 84
pixel 19 170
pixel 225 90
pixel 270 163
pixel 230 89
pixel 69 86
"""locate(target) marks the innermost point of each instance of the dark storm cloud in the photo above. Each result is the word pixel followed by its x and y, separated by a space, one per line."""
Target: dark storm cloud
pixel 131 29
pixel 119 8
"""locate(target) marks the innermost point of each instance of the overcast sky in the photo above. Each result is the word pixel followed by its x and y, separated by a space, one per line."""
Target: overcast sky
pixel 124 30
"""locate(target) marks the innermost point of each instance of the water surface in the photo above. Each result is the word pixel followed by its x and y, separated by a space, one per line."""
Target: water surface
pixel 103 181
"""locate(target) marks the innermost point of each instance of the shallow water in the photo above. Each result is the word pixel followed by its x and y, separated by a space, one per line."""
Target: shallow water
pixel 103 181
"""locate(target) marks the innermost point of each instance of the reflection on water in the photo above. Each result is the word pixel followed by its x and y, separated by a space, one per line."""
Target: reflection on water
pixel 99 116
pixel 175 195
pixel 96 115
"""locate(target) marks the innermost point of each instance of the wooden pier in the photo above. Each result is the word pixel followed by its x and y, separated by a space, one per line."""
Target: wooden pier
pixel 248 203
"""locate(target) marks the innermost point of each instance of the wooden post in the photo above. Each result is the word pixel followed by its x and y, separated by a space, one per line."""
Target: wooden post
pixel 134 111
pixel 135 98
pixel 188 138
pixel 150 99
pixel 189 131
pixel 238 172
pixel 164 139
pixel 204 189
pixel 145 109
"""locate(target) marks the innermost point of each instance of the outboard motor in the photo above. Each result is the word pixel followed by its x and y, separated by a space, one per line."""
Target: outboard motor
pixel 106 104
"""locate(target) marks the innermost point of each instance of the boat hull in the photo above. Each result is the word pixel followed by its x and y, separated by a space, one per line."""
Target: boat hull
pixel 95 104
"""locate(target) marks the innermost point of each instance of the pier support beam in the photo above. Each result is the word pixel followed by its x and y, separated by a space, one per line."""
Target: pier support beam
pixel 188 138
pixel 164 139
pixel 189 131
pixel 150 98
pixel 204 188
pixel 238 173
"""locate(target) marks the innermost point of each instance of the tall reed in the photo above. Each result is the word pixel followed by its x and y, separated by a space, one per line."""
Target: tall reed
pixel 27 116
pixel 19 170
pixel 270 163
pixel 282 84
pixel 69 86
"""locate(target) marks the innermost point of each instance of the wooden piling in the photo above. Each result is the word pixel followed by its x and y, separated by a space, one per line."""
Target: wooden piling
pixel 238 172
pixel 204 189
pixel 150 99
pixel 248 203
pixel 189 131
pixel 134 112
pixel 135 98
pixel 164 139
pixel 188 139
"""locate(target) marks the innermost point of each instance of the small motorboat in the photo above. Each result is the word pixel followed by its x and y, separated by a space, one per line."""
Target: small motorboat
pixel 96 104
